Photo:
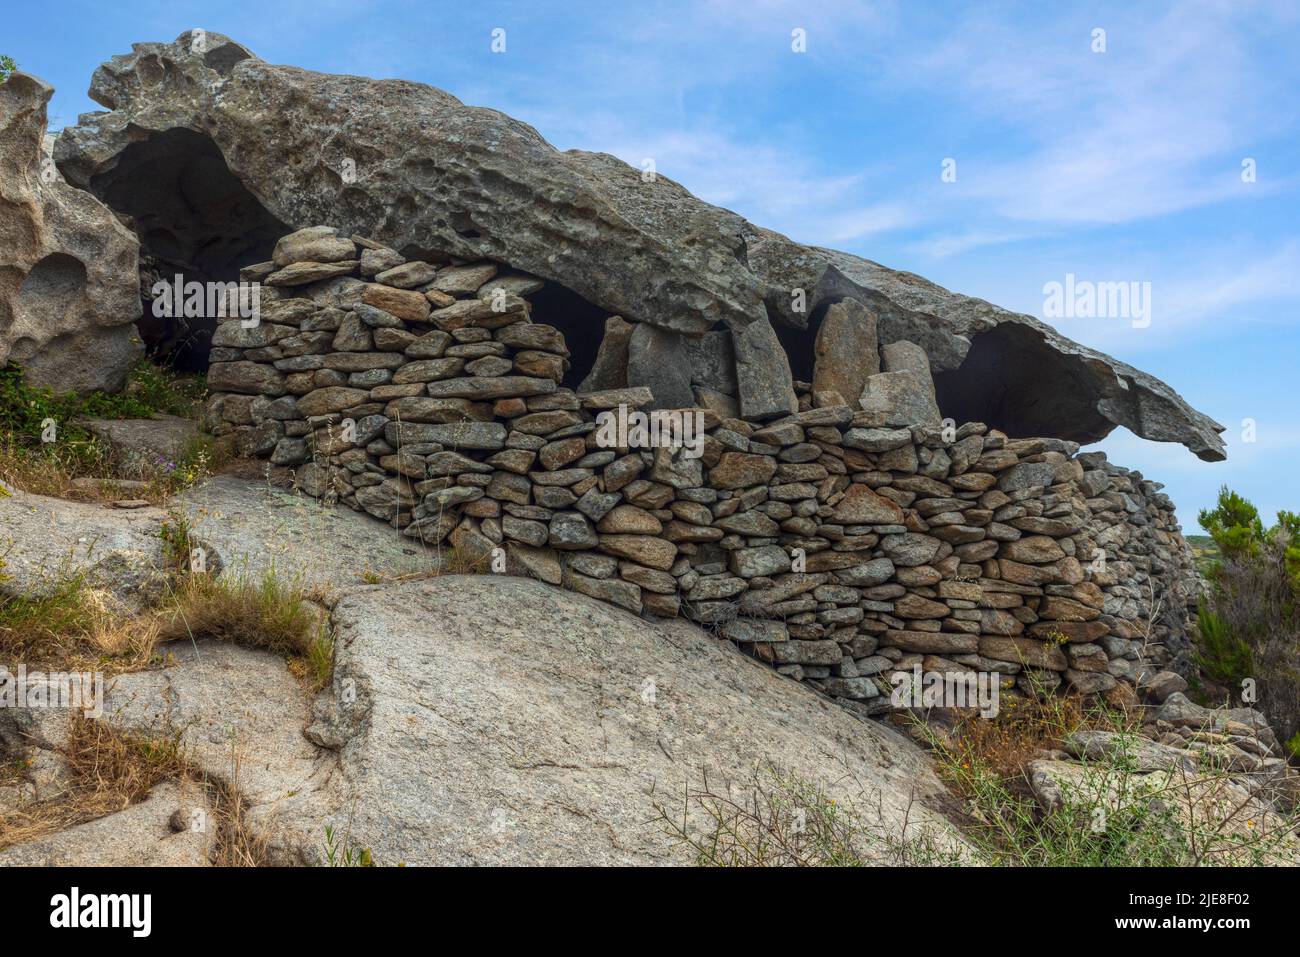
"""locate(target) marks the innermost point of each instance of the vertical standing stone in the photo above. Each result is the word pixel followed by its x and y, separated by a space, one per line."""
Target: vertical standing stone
pixel 609 371
pixel 763 372
pixel 904 392
pixel 660 360
pixel 846 349
pixel 713 362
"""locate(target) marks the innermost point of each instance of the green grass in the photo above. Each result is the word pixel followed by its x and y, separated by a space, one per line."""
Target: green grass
pixel 150 390
pixel 341 852
pixel 257 612
pixel 27 413
pixel 1111 813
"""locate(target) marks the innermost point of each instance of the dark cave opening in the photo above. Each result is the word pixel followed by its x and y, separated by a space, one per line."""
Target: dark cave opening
pixel 582 324
pixel 798 343
pixel 1012 380
pixel 194 219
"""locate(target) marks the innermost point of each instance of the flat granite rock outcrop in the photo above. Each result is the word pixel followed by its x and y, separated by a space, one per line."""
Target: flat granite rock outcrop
pixel 246 526
pixel 69 290
pixel 495 720
pixel 423 173
pixel 46 540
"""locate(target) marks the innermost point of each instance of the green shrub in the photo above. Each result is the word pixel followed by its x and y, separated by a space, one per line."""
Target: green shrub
pixel 24 407
pixel 150 390
pixel 1249 622
pixel 162 390
pixel 1293 745
pixel 1225 658
pixel 1234 524
pixel 7 66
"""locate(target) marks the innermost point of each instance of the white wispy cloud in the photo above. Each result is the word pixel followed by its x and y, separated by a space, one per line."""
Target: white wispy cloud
pixel 1206 293
pixel 1155 125
pixel 1229 281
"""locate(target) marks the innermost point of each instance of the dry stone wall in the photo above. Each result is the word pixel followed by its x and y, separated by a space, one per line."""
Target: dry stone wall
pixel 831 543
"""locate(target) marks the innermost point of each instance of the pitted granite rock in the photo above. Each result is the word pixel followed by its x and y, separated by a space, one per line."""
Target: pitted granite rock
pixel 427 173
pixel 69 286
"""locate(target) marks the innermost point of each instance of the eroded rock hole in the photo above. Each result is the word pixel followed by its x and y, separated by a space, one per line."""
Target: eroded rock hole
pixel 50 289
pixel 195 220
pixel 465 227
pixel 1014 381
pixel 798 343
pixel 581 322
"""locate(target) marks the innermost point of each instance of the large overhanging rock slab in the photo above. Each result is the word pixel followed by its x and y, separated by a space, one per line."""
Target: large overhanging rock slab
pixel 420 171
pixel 414 168
pixel 69 291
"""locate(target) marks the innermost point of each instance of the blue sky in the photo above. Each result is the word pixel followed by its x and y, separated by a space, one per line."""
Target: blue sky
pixel 1123 165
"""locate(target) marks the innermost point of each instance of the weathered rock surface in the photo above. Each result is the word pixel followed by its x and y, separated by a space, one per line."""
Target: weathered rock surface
pixel 69 287
pixel 44 540
pixel 248 527
pixel 846 350
pixel 476 184
pixel 240 714
pixel 257 528
pixel 499 721
pixel 145 442
pixel 480 719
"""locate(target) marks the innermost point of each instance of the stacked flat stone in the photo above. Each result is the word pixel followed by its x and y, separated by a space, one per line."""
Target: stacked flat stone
pixel 834 546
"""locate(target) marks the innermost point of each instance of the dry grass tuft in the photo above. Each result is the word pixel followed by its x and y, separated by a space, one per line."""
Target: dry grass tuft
pixel 83 470
pixel 70 626
pixel 448 561
pixel 237 844
pixel 1022 731
pixel 775 818
pixel 256 613
pixel 108 771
